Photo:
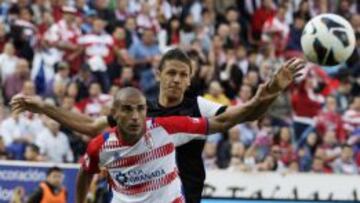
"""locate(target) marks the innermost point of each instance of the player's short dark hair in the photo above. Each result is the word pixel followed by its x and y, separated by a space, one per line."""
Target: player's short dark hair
pixel 53 169
pixel 177 55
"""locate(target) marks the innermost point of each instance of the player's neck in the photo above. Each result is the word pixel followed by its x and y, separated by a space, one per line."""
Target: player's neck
pixel 129 139
pixel 169 102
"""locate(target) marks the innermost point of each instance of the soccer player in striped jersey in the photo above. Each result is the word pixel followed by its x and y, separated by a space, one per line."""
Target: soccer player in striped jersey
pixel 139 153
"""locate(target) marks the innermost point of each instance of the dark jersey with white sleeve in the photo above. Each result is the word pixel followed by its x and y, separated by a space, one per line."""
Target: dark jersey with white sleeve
pixel 188 156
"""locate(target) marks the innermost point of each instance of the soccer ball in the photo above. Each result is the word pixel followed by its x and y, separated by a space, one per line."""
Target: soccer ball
pixel 328 40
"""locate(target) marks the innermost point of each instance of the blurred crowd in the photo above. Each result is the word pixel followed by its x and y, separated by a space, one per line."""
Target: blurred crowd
pixel 77 53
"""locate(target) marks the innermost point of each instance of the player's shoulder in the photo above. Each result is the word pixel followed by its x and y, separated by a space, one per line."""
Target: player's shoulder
pixel 97 142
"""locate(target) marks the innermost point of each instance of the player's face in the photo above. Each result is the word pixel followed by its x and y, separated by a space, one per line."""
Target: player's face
pixel 174 79
pixel 131 116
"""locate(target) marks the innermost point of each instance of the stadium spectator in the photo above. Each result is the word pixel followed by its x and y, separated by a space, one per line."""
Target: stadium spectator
pixel 15 82
pixel 216 94
pixel 350 117
pixel 330 120
pixel 345 164
pixel 50 189
pixel 54 144
pixel 32 153
pixel 8 61
pixel 62 37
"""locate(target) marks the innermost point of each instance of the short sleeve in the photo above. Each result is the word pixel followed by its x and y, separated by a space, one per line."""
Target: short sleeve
pixel 208 108
pixel 183 124
pixel 90 161
pixel 183 129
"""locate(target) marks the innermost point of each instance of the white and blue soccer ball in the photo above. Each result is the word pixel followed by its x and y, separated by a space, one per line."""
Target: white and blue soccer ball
pixel 328 40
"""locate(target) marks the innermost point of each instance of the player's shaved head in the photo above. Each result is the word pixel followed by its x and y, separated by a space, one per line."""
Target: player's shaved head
pixel 130 113
pixel 126 93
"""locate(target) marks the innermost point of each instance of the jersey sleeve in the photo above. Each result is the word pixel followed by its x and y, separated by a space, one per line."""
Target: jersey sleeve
pixel 90 161
pixel 208 108
pixel 183 124
pixel 183 129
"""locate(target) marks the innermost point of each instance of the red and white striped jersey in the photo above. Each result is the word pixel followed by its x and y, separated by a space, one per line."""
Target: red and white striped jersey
pixel 63 32
pixel 145 171
pixel 98 45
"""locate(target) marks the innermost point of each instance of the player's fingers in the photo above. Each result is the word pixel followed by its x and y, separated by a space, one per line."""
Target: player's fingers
pixel 297 65
pixel 297 75
pixel 300 67
pixel 288 62
pixel 15 99
pixel 17 109
pixel 16 103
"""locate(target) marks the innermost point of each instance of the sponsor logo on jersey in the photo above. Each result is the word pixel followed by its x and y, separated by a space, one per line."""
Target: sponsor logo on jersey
pixel 134 177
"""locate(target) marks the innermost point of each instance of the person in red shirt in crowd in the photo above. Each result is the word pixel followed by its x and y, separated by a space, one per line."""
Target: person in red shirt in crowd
pixel 98 51
pixel 261 15
pixel 329 119
pixel 98 42
pixel 306 103
pixel 330 148
pixel 63 37
pixel 276 31
pixel 93 105
pixel 352 115
pixel 318 166
pixel 285 146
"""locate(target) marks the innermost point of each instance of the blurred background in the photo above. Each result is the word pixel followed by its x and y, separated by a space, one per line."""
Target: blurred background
pixel 77 53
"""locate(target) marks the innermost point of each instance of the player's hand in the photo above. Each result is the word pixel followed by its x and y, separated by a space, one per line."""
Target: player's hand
pixel 284 76
pixel 20 103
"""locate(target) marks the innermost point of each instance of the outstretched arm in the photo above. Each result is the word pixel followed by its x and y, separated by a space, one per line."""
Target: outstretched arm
pixel 259 104
pixel 75 121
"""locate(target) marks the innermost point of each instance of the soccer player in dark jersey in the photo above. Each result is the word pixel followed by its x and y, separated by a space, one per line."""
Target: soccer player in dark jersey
pixel 174 75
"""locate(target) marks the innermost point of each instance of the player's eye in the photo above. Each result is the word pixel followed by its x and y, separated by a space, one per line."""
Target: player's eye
pixel 184 75
pixel 141 108
pixel 126 108
pixel 172 73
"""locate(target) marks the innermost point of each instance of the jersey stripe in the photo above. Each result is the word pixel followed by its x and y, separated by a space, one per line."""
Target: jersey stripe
pixel 144 157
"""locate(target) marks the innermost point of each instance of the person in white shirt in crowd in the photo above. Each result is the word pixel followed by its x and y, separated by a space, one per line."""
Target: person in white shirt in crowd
pixel 8 61
pixel 53 143
pixel 22 128
pixel 345 164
